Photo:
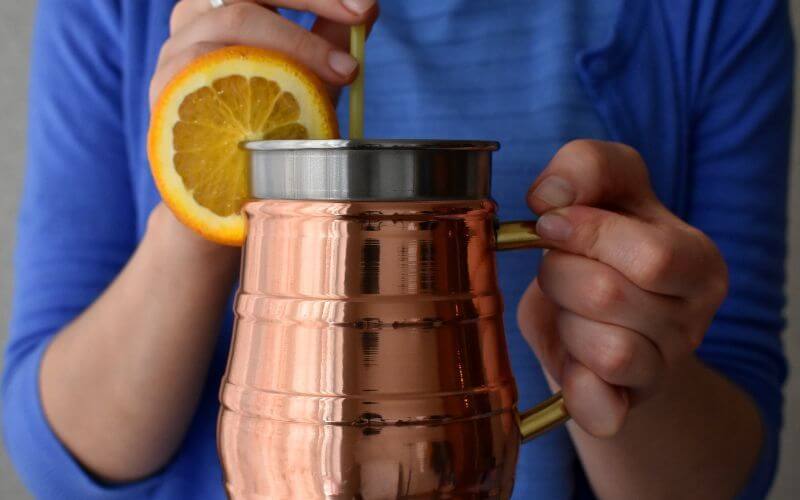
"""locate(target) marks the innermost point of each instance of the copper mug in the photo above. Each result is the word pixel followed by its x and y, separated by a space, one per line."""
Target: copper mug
pixel 369 358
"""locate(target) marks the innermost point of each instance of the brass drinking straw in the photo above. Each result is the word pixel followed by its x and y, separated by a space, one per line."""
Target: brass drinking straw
pixel 357 42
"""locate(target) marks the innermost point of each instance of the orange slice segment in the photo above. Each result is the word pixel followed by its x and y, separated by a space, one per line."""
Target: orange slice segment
pixel 222 99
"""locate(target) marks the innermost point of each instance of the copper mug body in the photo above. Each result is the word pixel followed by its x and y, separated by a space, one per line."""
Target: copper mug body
pixel 369 358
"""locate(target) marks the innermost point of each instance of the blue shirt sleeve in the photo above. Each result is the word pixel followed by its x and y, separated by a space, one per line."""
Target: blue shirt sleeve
pixel 76 226
pixel 741 122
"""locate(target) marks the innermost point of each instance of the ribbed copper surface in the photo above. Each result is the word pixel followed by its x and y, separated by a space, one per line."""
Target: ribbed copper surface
pixel 369 359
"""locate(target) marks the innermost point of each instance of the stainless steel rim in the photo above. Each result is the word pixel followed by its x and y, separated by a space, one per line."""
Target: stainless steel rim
pixel 372 144
pixel 371 170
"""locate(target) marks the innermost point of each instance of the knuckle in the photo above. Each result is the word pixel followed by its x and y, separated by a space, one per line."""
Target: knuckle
pixel 177 15
pixel 155 86
pixel 589 153
pixel 198 49
pixel 633 161
pixel 710 266
pixel 690 327
pixel 719 285
pixel 604 292
pixel 589 231
pixel 718 281
pixel 166 51
pixel 631 154
pixel 304 44
pixel 716 287
pixel 616 358
pixel 685 338
pixel 655 262
pixel 235 17
pixel 633 166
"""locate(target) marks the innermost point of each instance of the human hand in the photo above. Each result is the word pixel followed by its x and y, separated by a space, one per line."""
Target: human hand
pixel 627 291
pixel 196 29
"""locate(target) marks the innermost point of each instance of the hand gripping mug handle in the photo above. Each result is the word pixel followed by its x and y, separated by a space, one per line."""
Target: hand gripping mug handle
pixel 552 412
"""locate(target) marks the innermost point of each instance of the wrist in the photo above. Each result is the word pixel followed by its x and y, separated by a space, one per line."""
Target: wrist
pixel 167 240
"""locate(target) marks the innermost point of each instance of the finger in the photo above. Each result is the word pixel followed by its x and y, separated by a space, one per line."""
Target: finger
pixel 249 24
pixel 596 173
pixel 170 67
pixel 186 11
pixel 596 406
pixel 338 33
pixel 536 316
pixel 617 355
pixel 339 36
pixel 347 12
pixel 600 293
pixel 663 258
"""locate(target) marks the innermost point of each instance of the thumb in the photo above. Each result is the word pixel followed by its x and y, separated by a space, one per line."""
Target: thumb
pixel 599 174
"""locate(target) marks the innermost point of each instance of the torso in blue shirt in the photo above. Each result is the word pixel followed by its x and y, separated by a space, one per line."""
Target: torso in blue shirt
pixel 523 72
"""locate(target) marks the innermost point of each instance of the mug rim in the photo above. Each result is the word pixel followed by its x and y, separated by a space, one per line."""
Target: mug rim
pixel 372 144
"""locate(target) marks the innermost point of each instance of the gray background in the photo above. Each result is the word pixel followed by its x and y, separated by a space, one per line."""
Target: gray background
pixel 15 27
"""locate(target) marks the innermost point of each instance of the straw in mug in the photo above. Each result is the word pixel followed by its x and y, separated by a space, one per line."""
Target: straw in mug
pixel 357 42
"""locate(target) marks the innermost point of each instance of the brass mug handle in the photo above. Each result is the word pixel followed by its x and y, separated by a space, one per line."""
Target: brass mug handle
pixel 551 412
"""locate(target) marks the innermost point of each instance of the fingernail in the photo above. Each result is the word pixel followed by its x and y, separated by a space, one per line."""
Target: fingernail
pixel 342 62
pixel 358 7
pixel 554 227
pixel 555 191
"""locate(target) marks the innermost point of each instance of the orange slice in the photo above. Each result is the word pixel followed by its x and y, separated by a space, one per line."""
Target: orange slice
pixel 222 99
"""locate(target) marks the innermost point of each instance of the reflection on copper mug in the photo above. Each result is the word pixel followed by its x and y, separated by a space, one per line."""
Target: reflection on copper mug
pixel 369 358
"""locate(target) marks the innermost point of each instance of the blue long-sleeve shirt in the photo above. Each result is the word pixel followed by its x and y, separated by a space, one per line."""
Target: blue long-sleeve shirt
pixel 702 88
